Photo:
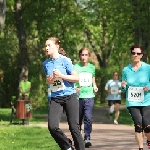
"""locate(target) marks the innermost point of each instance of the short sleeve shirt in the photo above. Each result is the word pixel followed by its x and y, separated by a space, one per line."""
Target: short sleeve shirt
pixel 60 87
pixel 113 86
pixel 86 73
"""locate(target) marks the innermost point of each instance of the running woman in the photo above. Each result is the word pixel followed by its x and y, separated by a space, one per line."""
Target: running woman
pixel 112 88
pixel 85 89
pixel 61 76
pixel 136 83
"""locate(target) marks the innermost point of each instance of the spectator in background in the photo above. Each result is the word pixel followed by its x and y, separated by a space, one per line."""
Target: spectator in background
pixel 24 88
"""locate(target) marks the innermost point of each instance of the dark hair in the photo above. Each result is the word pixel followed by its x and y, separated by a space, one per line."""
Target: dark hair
pixel 136 46
pixel 62 51
pixel 115 72
pixel 82 49
pixel 24 76
pixel 140 47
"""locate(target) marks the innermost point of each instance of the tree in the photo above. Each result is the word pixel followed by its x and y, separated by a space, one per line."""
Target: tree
pixel 24 60
pixel 2 13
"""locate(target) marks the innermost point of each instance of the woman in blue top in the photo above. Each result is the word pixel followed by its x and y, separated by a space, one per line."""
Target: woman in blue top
pixel 136 83
pixel 61 76
pixel 112 88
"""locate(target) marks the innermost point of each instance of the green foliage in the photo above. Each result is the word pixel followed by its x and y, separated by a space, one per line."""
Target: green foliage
pixel 113 27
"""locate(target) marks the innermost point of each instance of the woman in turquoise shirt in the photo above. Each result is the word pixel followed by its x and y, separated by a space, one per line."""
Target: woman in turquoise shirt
pixel 136 83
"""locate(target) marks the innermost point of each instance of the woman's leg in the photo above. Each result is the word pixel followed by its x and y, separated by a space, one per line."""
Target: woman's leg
pixel 54 117
pixel 81 112
pixel 117 110
pixel 137 119
pixel 146 123
pixel 111 108
pixel 72 112
pixel 88 108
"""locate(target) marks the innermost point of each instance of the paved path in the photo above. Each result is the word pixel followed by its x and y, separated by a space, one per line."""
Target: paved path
pixel 105 135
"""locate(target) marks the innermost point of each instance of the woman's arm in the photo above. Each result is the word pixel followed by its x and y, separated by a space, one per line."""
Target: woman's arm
pixel 94 85
pixel 123 83
pixel 73 77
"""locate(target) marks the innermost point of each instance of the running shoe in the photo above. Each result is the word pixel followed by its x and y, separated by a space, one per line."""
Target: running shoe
pixel 148 144
pixel 87 143
pixel 71 148
pixel 115 122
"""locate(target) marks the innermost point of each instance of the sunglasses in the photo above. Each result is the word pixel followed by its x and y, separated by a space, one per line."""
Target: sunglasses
pixel 84 54
pixel 133 53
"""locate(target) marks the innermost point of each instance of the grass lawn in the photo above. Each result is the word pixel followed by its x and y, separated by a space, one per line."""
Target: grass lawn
pixel 16 137
pixel 125 118
pixel 38 116
pixel 19 137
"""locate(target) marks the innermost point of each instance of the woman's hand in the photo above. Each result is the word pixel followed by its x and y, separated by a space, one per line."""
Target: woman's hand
pixel 145 88
pixel 77 89
pixel 50 79
pixel 123 84
pixel 95 89
pixel 119 91
pixel 57 73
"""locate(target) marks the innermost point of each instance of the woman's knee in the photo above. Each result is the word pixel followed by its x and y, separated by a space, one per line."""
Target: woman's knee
pixel 52 127
pixel 138 128
pixel 147 129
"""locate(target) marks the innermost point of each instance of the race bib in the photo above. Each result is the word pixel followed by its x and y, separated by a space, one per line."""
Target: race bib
pixel 57 85
pixel 114 90
pixel 85 79
pixel 135 94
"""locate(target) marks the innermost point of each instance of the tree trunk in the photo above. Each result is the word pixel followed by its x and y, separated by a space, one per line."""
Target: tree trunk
pixel 23 55
pixel 2 13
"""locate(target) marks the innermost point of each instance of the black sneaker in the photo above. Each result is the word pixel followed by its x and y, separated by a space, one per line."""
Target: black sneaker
pixel 87 143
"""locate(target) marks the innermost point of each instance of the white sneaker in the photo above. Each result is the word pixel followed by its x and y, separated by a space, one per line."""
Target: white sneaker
pixel 115 122
pixel 71 148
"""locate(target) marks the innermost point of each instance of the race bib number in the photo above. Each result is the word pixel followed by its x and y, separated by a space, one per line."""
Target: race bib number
pixel 85 79
pixel 135 94
pixel 57 85
pixel 114 90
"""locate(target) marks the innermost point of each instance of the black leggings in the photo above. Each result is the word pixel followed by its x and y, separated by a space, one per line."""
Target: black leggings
pixel 141 118
pixel 71 106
